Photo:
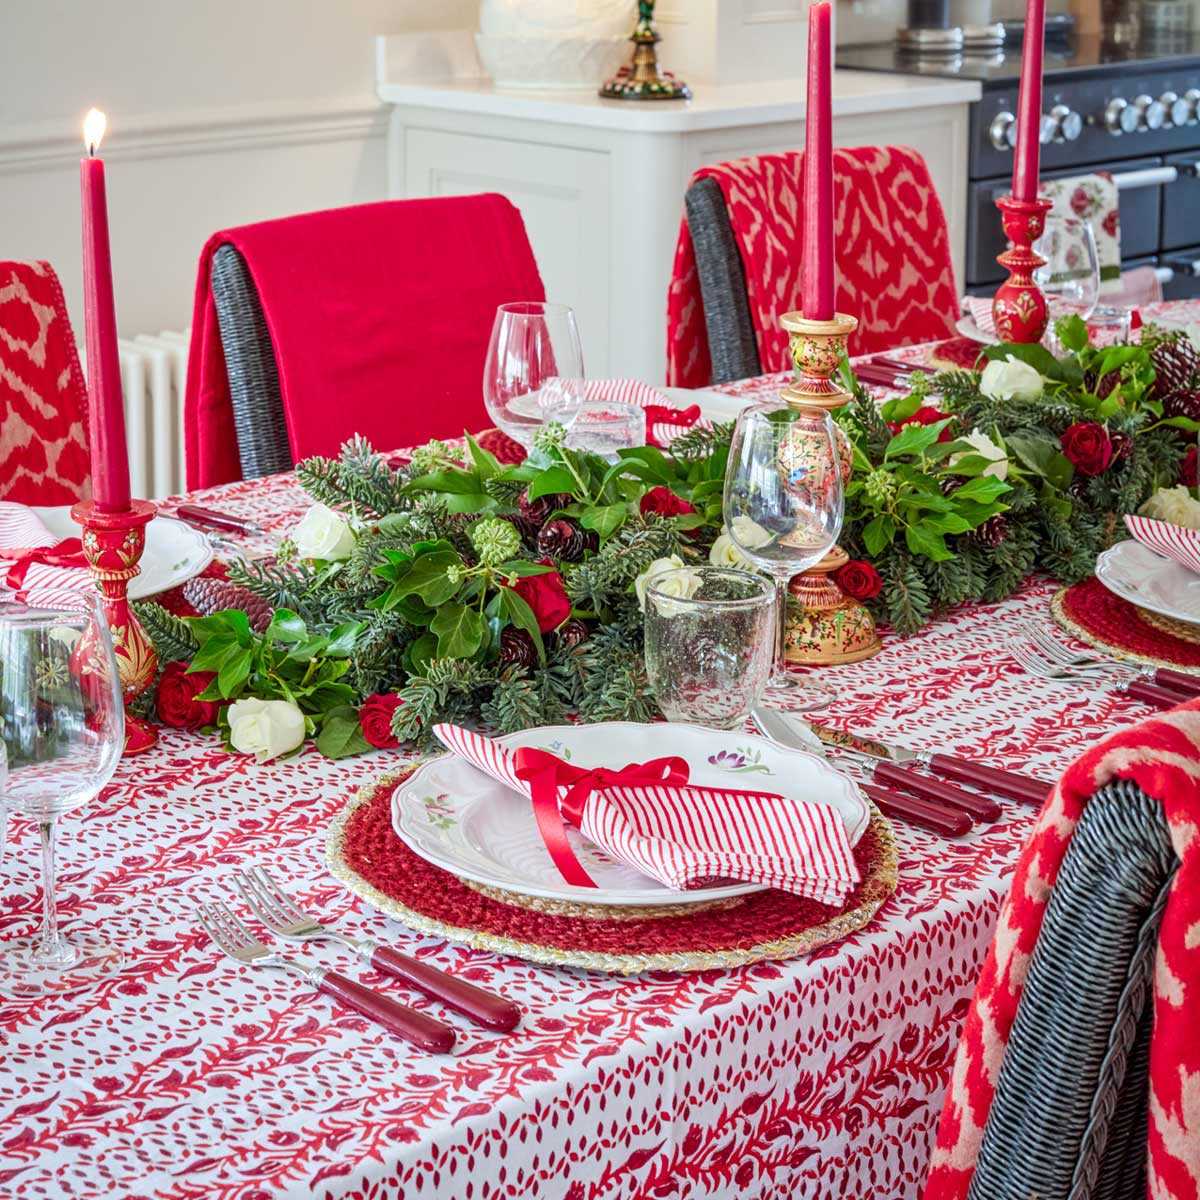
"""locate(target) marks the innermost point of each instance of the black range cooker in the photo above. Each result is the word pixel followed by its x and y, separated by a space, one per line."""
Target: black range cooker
pixel 1133 110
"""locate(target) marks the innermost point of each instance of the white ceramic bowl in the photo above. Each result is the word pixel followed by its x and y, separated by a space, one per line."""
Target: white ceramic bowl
pixel 559 64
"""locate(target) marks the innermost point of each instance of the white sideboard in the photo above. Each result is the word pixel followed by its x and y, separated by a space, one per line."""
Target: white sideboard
pixel 600 183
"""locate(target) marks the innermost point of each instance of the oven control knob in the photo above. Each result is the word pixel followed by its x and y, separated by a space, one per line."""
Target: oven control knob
pixel 1003 131
pixel 1186 109
pixel 1151 113
pixel 1115 118
pixel 1065 124
pixel 1167 100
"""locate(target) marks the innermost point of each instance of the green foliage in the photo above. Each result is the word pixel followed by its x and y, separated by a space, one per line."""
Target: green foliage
pixel 359 480
pixel 173 639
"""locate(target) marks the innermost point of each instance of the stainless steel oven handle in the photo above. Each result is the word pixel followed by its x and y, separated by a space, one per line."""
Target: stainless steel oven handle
pixel 1147 177
pixel 1187 267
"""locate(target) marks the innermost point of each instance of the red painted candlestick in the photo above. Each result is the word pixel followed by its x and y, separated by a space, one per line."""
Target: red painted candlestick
pixel 113 544
pixel 1019 308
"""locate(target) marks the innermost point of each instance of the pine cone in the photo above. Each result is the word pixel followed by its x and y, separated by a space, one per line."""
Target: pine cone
pixel 1104 385
pixel 562 538
pixel 517 648
pixel 1183 403
pixel 540 509
pixel 951 484
pixel 208 596
pixel 992 532
pixel 525 527
pixel 1122 445
pixel 571 633
pixel 1176 366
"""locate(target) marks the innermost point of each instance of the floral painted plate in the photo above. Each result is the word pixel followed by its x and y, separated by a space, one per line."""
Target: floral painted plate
pixel 460 819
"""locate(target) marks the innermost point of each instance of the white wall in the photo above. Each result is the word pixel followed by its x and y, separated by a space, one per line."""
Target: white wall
pixel 220 112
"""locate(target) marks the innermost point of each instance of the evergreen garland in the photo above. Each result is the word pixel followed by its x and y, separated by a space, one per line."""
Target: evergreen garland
pixel 172 636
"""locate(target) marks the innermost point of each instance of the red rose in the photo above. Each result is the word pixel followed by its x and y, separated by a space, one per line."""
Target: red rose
pixel 859 580
pixel 177 703
pixel 375 720
pixel 547 596
pixel 1112 222
pixel 663 501
pixel 925 415
pixel 1080 201
pixel 1187 469
pixel 1088 447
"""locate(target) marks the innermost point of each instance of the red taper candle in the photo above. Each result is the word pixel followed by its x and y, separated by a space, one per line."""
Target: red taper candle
pixel 816 299
pixel 106 407
pixel 1029 104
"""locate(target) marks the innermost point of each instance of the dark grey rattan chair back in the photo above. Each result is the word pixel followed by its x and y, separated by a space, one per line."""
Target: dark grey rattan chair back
pixel 258 417
pixel 1068 1119
pixel 732 345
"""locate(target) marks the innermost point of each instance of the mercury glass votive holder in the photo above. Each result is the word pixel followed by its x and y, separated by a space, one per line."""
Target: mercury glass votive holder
pixel 710 641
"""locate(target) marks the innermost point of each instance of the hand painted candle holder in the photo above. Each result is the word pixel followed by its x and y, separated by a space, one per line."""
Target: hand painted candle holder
pixel 1019 308
pixel 641 80
pixel 113 545
pixel 825 626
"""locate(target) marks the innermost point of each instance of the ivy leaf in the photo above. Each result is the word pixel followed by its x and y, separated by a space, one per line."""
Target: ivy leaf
pixel 487 465
pixel 1043 457
pixel 982 488
pixel 605 520
pixel 233 673
pixel 343 638
pixel 341 734
pixel 459 631
pixel 519 569
pixel 923 540
pixel 230 622
pixel 517 610
pixel 878 534
pixel 913 439
pixel 418 654
pixel 287 627
pixel 213 653
pixel 1072 332
pixel 900 408
pixel 428 577
pixel 551 481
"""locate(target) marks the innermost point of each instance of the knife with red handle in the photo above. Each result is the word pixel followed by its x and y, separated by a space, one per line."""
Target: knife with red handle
pixel 979 808
pixel 426 1032
pixel 1177 681
pixel 1154 694
pixel 213 518
pixel 490 1010
pixel 949 822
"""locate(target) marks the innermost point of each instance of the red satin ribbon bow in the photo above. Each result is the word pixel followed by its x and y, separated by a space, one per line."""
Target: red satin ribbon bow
pixel 662 413
pixel 68 553
pixel 547 774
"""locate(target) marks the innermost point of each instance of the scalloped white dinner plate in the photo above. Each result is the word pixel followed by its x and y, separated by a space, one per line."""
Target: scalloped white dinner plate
pixel 1152 581
pixel 464 821
pixel 174 552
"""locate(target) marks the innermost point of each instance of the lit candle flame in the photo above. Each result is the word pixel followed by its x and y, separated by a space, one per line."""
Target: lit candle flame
pixel 94 125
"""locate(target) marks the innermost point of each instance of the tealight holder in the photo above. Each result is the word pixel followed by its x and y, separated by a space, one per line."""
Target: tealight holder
pixel 825 626
pixel 1019 309
pixel 113 545
pixel 641 80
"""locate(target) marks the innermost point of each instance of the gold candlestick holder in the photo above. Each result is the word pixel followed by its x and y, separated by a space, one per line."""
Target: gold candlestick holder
pixel 641 80
pixel 825 626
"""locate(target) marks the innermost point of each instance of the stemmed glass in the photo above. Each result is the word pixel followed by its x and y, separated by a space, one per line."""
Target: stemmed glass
pixel 783 507
pixel 1070 280
pixel 534 368
pixel 62 728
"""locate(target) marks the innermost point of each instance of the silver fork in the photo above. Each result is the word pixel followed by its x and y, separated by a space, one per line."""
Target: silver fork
pixel 231 935
pixel 279 913
pixel 1096 667
pixel 1029 659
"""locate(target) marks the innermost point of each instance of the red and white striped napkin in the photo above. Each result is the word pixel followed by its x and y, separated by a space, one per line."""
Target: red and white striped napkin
pixel 22 530
pixel 1183 545
pixel 664 422
pixel 685 836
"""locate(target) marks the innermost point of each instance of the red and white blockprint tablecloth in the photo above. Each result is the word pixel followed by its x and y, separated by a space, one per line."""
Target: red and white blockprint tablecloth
pixel 191 1078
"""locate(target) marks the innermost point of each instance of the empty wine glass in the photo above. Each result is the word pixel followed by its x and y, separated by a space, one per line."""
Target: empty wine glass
pixel 534 368
pixel 783 507
pixel 1070 280
pixel 62 726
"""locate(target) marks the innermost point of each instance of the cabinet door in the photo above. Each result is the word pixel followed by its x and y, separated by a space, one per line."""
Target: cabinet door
pixel 562 193
pixel 1181 202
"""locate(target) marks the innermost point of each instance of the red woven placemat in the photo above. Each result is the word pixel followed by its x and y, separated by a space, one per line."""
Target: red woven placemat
pixel 1090 612
pixel 366 853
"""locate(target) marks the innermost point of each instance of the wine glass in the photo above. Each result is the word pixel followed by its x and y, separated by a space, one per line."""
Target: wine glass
pixel 783 508
pixel 62 729
pixel 534 368
pixel 1070 280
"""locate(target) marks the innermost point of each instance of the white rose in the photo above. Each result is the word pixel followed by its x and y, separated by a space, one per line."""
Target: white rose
pixel 323 533
pixel 748 532
pixel 724 553
pixel 1175 505
pixel 685 585
pixel 1010 379
pixel 265 728
pixel 982 444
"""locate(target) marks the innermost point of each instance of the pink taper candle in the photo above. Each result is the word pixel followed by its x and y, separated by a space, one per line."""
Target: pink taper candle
pixel 1029 104
pixel 816 301
pixel 106 408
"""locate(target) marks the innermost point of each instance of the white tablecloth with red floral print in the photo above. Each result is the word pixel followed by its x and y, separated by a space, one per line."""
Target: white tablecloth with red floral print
pixel 192 1078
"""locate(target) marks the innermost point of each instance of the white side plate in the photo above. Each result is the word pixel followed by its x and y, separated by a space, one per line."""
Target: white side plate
pixel 1137 574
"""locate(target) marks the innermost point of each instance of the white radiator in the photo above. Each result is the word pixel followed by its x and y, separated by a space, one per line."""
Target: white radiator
pixel 153 377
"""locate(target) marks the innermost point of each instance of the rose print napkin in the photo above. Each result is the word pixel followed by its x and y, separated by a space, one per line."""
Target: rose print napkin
pixel 648 816
pixel 31 556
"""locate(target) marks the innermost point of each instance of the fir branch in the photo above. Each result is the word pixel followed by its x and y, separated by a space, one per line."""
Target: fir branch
pixel 450 690
pixel 293 585
pixel 173 640
pixel 359 479
pixel 905 593
pixel 598 583
pixel 700 442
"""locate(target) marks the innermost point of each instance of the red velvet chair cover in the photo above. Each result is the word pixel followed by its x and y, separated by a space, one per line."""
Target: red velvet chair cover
pixel 892 245
pixel 43 399
pixel 379 316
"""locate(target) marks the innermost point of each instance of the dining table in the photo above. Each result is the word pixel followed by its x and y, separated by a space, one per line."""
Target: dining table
pixel 192 1077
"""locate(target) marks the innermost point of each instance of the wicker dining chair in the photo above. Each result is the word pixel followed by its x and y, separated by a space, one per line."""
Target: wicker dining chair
pixel 744 221
pixel 1068 1118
